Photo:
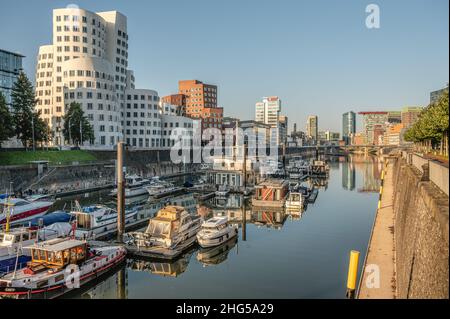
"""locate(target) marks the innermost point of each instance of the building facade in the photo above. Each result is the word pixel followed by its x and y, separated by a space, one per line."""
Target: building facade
pixel 87 63
pixel 312 128
pixel 372 121
pixel 201 103
pixel 10 68
pixel 410 115
pixel 348 126
pixel 268 112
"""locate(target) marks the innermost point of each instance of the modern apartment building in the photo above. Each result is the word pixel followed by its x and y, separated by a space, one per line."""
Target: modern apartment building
pixel 201 102
pixel 283 128
pixel 393 134
pixel 177 100
pixel 410 115
pixel 10 68
pixel 312 128
pixel 348 126
pixel 88 63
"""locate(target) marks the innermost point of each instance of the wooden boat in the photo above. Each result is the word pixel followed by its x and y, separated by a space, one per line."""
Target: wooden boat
pixel 59 266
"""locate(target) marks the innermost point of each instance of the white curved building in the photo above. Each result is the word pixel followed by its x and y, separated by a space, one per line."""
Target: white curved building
pixel 86 63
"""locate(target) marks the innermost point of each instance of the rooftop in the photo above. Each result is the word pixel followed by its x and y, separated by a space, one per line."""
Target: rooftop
pixel 13 53
pixel 58 244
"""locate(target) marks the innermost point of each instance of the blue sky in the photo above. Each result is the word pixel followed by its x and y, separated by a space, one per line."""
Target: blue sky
pixel 318 56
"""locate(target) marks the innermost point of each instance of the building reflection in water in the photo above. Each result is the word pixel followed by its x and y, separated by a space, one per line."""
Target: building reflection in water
pixel 348 174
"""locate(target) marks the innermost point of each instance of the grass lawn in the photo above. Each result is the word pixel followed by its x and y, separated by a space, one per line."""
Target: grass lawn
pixel 54 157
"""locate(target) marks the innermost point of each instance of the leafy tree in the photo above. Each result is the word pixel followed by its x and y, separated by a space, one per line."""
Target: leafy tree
pixel 77 128
pixel 23 103
pixel 42 132
pixel 6 121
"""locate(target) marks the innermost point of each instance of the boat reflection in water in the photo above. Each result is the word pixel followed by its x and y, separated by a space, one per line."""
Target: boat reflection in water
pixel 163 268
pixel 216 255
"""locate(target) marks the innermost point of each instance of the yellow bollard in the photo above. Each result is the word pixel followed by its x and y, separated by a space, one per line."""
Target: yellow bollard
pixel 352 273
pixel 382 175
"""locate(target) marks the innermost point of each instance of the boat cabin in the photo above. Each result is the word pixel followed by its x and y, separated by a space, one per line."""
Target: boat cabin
pixel 271 190
pixel 15 236
pixel 167 221
pixel 57 253
pixel 215 223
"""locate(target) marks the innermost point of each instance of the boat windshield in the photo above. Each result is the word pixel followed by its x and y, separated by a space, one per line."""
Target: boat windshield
pixel 159 228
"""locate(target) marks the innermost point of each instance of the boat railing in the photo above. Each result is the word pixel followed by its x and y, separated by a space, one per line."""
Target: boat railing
pixel 8 269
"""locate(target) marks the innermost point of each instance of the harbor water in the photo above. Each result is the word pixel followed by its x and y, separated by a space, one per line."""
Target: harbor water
pixel 277 254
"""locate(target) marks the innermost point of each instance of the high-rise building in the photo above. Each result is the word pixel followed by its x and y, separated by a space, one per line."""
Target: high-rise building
pixel 268 112
pixel 410 115
pixel 372 120
pixel 10 68
pixel 312 128
pixel 348 126
pixel 201 103
pixel 87 63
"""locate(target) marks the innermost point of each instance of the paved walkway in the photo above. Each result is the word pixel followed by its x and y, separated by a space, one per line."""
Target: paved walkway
pixel 381 251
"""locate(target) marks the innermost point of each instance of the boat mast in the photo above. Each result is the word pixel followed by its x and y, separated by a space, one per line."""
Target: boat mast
pixel 120 194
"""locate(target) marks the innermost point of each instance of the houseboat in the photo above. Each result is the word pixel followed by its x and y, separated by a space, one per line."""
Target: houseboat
pixel 215 232
pixel 49 275
pixel 168 234
pixel 271 193
pixel 18 210
pixel 13 255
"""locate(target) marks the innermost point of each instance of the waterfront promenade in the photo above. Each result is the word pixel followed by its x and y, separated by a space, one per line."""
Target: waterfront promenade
pixel 381 247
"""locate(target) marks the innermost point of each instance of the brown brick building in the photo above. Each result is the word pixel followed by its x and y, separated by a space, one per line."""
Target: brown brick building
pixel 201 102
pixel 178 100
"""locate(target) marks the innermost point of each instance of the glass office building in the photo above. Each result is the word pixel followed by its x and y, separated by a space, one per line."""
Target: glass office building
pixel 348 126
pixel 10 67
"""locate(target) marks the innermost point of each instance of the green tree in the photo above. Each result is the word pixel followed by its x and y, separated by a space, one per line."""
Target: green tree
pixel 77 128
pixel 42 132
pixel 6 121
pixel 23 103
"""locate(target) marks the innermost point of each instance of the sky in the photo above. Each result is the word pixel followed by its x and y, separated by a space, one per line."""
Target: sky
pixel 318 56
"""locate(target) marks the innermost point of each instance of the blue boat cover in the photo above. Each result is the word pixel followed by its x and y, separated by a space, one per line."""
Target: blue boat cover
pixel 49 219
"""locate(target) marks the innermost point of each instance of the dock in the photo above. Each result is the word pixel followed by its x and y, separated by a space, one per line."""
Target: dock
pixel 160 253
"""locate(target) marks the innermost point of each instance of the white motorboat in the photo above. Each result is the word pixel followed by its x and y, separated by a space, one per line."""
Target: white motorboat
pixel 50 273
pixel 12 253
pixel 172 226
pixel 162 189
pixel 134 186
pixel 216 231
pixel 294 201
pixel 18 210
pixel 98 220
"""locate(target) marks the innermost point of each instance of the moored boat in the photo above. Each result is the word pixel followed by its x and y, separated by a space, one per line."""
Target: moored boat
pixel 216 231
pixel 167 235
pixel 59 266
pixel 96 221
pixel 12 253
pixel 134 186
pixel 18 210
pixel 294 201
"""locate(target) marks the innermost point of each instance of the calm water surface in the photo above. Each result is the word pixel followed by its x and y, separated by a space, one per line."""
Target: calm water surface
pixel 277 255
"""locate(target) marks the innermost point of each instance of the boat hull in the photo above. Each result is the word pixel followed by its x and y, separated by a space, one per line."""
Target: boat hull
pixel 59 290
pixel 217 240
